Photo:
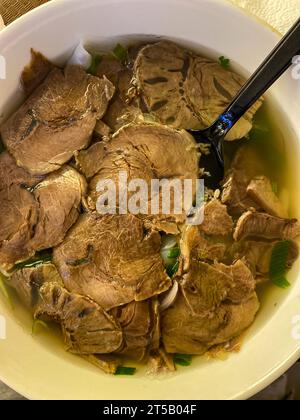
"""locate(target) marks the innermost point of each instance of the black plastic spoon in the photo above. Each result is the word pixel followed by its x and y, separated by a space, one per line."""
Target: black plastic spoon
pixel 269 71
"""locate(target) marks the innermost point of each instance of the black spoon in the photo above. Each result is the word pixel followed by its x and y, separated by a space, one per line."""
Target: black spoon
pixel 269 71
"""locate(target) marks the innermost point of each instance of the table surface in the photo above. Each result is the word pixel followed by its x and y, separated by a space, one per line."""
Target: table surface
pixel 278 13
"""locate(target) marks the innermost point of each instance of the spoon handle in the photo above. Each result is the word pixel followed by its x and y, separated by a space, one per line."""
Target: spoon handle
pixel 280 59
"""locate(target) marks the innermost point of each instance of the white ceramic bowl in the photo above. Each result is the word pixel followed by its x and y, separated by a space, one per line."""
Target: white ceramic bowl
pixel 38 367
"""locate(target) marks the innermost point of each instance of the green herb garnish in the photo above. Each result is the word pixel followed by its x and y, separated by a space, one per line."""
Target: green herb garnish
pixel 123 370
pixel 172 269
pixel 174 253
pixel 182 359
pixel 224 62
pixel 36 324
pixel 121 54
pixel 96 60
pixel 278 264
pixel 39 259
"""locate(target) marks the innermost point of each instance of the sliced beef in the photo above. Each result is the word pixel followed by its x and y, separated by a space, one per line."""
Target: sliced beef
pixel 89 161
pixel 18 218
pixel 185 90
pixel 258 254
pixel 36 72
pixel 87 328
pixel 160 74
pixel 19 212
pixel 59 197
pixel 208 250
pixel 239 318
pixel 247 164
pixel 262 225
pixel 11 174
pixel 28 281
pixel 111 68
pixel 57 119
pixel 120 112
pixel 136 320
pixel 169 152
pixel 205 287
pixel 187 332
pixel 112 260
pixel 260 190
pixel 216 219
pixel 39 218
pixel 150 151
pixel 242 281
pixel 132 163
pixel 210 240
pixel 102 130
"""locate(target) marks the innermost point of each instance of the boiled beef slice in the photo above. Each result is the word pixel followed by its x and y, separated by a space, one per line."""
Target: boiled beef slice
pixel 11 174
pixel 263 225
pixel 137 320
pixel 147 152
pixel 59 197
pixel 89 161
pixel 112 260
pixel 187 332
pixel 246 165
pixel 56 120
pixel 216 219
pixel 37 218
pixel 184 90
pixel 257 255
pixel 260 190
pixel 87 328
pixel 28 281
pixel 35 72
pixel 18 218
pixel 205 287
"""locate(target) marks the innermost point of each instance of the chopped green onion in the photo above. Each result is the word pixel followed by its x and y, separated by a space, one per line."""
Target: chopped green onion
pixel 96 60
pixel 281 282
pixel 174 253
pixel 38 323
pixel 121 54
pixel 182 359
pixel 123 370
pixel 172 269
pixel 224 62
pixel 39 259
pixel 278 264
pixel 4 291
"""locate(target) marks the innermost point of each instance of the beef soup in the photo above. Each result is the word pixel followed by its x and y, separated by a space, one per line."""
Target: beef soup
pixel 144 287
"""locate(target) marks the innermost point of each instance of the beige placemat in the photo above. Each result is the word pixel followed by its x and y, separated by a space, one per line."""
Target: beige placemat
pixel 280 14
pixel 12 9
